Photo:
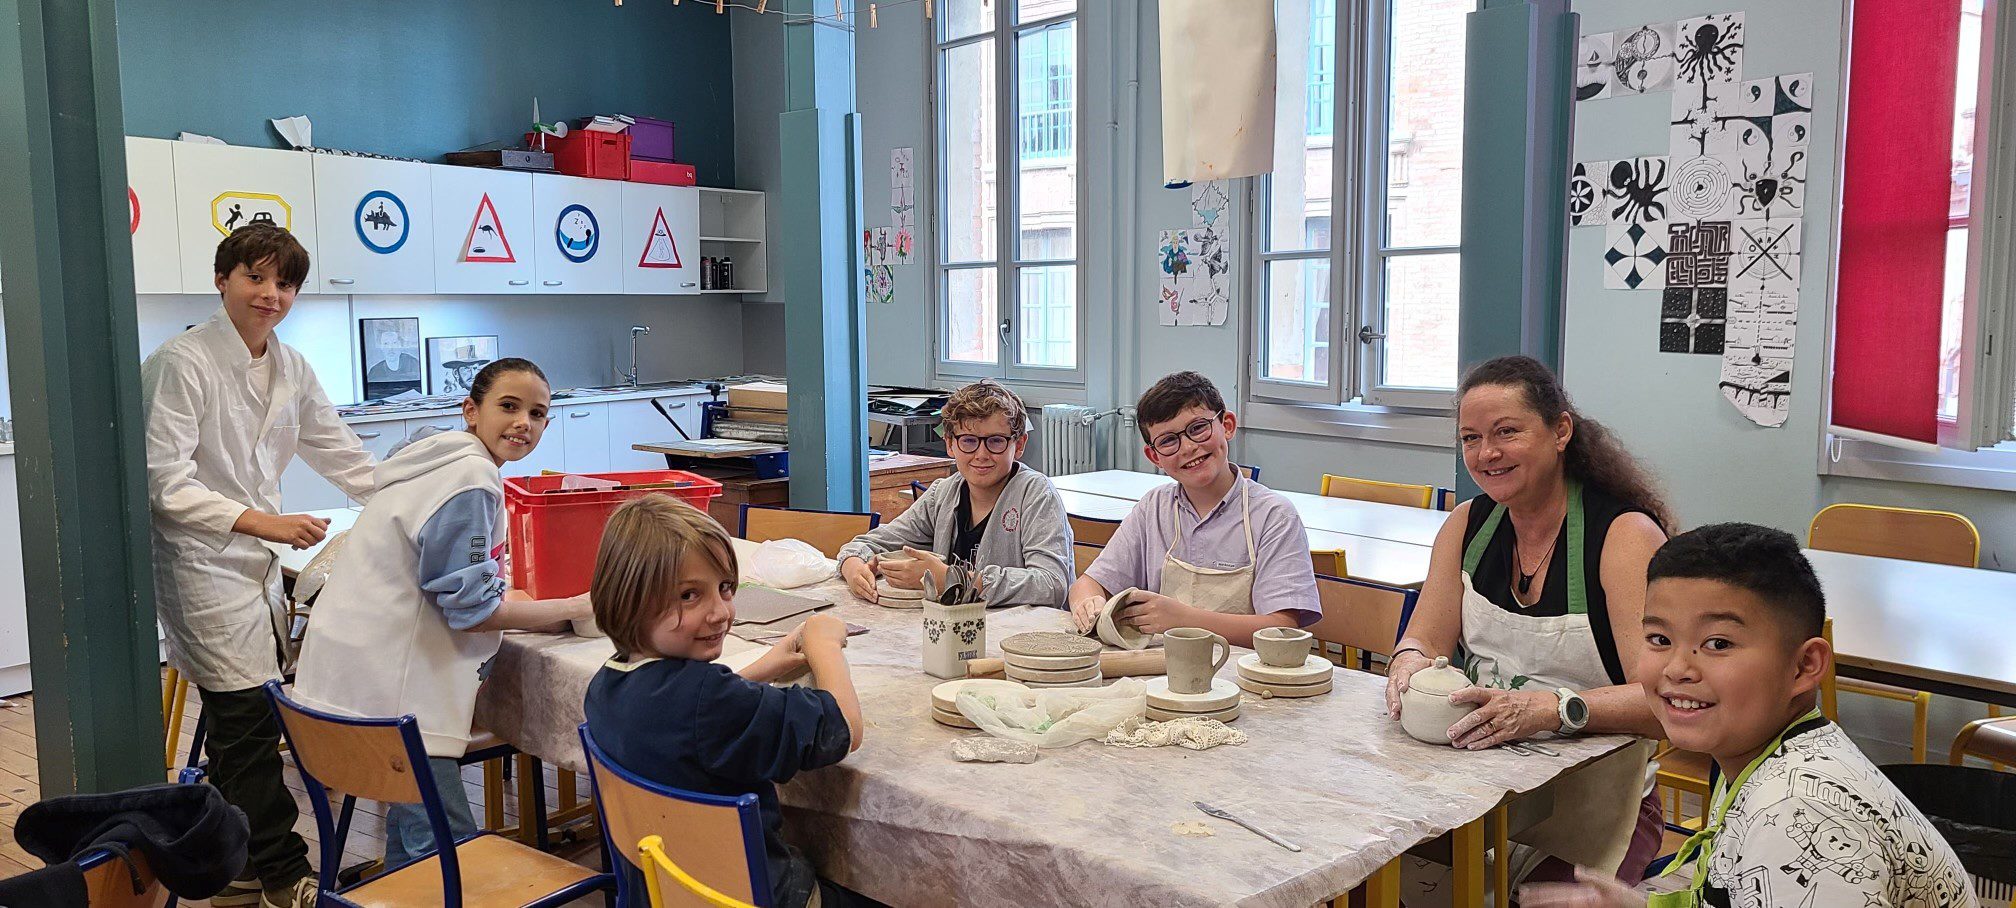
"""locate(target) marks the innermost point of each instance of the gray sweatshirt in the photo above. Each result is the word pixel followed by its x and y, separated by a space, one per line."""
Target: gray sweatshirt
pixel 1025 553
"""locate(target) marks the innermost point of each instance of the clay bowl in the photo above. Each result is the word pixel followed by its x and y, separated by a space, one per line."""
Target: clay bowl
pixel 1114 634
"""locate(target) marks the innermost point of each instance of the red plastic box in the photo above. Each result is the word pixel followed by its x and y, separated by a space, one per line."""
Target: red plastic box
pixel 601 155
pixel 651 140
pixel 555 534
pixel 664 173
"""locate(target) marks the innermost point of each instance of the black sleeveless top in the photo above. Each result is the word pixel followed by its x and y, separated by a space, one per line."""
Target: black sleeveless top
pixel 1498 570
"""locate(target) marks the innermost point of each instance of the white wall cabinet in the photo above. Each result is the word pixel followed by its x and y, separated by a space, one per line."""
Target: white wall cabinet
pixel 577 225
pixel 150 216
pixel 585 429
pixel 13 594
pixel 303 489
pixel 634 421
pixel 219 188
pixel 661 239
pixel 376 224
pixel 483 230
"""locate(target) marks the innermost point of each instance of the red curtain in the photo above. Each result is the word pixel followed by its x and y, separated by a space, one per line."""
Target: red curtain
pixel 1897 170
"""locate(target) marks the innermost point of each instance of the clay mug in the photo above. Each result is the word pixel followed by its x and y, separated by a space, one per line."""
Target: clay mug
pixel 1425 710
pixel 1282 647
pixel 1191 665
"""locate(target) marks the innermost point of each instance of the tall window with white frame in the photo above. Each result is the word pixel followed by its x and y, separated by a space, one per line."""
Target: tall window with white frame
pixel 1358 233
pixel 1008 237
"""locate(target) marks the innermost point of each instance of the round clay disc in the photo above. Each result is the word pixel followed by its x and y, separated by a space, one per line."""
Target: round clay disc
pixel 1029 674
pixel 1094 681
pixel 1313 670
pixel 1223 693
pixel 1050 643
pixel 1223 715
pixel 884 591
pixel 953 719
pixel 945 696
pixel 1050 663
pixel 1289 691
pixel 908 605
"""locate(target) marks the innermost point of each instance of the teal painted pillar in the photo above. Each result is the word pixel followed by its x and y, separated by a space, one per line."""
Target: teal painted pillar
pixel 824 342
pixel 1518 122
pixel 72 335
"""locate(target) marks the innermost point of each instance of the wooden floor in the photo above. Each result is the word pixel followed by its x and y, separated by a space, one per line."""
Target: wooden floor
pixel 19 788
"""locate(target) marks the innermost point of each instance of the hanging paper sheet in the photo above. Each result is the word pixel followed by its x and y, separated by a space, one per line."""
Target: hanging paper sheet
pixel 1218 65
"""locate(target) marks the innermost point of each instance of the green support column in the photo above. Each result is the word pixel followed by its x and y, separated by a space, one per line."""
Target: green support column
pixel 72 336
pixel 1518 117
pixel 819 135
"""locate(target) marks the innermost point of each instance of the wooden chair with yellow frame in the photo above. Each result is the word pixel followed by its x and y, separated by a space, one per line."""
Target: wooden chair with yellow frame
pixel 827 531
pixel 1329 562
pixel 716 840
pixel 1910 534
pixel 1400 493
pixel 661 875
pixel 1092 529
pixel 1360 617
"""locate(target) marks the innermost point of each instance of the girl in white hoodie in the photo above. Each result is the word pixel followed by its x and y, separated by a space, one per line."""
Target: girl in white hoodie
pixel 417 602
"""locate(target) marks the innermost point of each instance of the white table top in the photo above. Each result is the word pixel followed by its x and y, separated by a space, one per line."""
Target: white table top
pixel 1900 622
pixel 1399 523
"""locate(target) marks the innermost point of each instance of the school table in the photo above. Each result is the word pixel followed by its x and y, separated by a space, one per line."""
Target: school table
pixel 1399 523
pixel 1929 627
pixel 1090 824
pixel 1384 561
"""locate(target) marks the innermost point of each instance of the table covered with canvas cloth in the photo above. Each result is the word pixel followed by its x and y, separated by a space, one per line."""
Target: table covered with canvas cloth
pixel 1090 824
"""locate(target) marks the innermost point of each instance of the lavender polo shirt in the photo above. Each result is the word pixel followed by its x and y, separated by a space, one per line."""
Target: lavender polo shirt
pixel 1283 579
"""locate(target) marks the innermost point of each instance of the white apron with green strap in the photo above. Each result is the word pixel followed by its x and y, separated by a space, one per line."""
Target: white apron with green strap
pixel 1701 846
pixel 1595 807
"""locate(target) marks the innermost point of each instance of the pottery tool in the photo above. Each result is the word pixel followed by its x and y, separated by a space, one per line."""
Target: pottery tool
pixel 1517 749
pixel 1111 664
pixel 1528 745
pixel 1220 814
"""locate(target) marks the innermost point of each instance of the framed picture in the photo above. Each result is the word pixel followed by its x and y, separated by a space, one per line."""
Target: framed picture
pixel 452 362
pixel 390 349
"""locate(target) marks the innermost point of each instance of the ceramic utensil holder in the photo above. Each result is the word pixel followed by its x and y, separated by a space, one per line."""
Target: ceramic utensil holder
pixel 1194 656
pixel 1282 647
pixel 953 634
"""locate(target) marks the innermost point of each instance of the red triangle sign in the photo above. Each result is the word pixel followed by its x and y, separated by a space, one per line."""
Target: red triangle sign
pixel 486 242
pixel 660 250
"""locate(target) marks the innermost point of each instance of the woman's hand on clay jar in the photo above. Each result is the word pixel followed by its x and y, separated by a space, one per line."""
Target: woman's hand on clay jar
pixel 1398 671
pixel 1503 715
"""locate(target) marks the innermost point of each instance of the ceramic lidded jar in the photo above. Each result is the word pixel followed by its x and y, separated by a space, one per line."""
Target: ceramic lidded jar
pixel 1425 710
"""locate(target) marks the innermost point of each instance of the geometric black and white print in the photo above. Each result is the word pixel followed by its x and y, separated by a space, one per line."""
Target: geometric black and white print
pixel 1697 254
pixel 1637 190
pixel 1692 320
pixel 1704 187
pixel 1765 254
pixel 1757 352
pixel 1585 194
pixel 1636 259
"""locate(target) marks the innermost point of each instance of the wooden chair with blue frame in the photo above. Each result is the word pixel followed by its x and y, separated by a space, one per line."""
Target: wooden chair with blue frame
pixel 717 840
pixel 1083 554
pixel 827 531
pixel 1250 472
pixel 1445 499
pixel 1361 617
pixel 1400 493
pixel 377 759
pixel 1092 529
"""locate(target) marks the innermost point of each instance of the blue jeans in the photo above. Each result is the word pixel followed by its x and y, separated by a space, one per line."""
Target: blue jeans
pixel 407 832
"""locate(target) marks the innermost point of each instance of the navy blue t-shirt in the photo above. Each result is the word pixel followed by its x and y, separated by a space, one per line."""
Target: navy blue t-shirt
pixel 700 727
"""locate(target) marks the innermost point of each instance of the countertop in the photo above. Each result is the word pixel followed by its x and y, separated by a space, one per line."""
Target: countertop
pixel 575 396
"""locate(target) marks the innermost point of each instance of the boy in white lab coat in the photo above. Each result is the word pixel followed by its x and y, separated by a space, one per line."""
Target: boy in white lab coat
pixel 228 406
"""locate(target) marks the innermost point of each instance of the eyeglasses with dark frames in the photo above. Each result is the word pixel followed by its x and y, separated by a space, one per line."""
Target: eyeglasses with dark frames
pixel 1199 431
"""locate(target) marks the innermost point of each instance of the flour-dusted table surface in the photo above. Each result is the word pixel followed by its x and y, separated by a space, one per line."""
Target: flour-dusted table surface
pixel 902 822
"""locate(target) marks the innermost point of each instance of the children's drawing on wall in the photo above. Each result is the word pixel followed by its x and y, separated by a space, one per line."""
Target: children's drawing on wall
pixel 1586 207
pixel 1208 201
pixel 1693 319
pixel 1709 50
pixel 1757 354
pixel 878 284
pixel 1592 67
pixel 1636 259
pixel 1765 254
pixel 1776 190
pixel 877 246
pixel 1195 285
pixel 902 189
pixel 1697 254
pixel 1704 188
pixel 1641 60
pixel 1636 190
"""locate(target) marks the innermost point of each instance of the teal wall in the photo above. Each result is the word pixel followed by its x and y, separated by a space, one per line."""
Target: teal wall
pixel 421 79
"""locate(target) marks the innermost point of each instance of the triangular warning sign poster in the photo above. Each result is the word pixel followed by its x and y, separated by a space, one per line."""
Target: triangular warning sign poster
pixel 660 251
pixel 486 242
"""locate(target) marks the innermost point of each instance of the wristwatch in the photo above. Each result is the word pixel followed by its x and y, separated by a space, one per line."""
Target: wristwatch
pixel 1574 711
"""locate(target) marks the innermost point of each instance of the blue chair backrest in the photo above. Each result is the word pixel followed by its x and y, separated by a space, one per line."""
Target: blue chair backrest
pixel 716 838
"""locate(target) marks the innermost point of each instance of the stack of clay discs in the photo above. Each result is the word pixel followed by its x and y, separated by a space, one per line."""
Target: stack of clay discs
pixel 945 697
pixel 1045 659
pixel 897 597
pixel 1310 679
pixel 1221 702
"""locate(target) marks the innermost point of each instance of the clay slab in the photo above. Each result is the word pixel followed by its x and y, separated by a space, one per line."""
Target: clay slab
pixel 1049 644
pixel 1223 693
pixel 1313 670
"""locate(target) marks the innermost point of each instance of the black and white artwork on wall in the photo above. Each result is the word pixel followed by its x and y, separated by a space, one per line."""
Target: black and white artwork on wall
pixel 452 362
pixel 1636 259
pixel 1586 207
pixel 1636 190
pixel 1697 254
pixel 1692 319
pixel 390 352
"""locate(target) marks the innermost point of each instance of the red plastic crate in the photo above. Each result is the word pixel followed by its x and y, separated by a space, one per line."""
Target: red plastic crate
pixel 601 155
pixel 555 534
pixel 663 173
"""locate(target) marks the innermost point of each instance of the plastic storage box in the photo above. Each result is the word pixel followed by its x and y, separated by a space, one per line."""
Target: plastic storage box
pixel 651 140
pixel 664 173
pixel 555 534
pixel 601 155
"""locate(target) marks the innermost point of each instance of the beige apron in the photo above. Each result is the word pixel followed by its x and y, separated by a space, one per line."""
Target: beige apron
pixel 1225 591
pixel 1595 807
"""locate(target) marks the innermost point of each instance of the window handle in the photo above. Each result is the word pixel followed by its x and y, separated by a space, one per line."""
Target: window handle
pixel 1366 335
pixel 1006 324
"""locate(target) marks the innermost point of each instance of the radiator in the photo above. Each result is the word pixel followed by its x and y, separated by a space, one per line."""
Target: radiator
pixel 1069 439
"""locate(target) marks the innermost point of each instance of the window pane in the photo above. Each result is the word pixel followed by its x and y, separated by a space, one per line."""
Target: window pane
pixel 1424 154
pixel 1045 67
pixel 971 200
pixel 1953 316
pixel 1420 349
pixel 1050 316
pixel 1033 10
pixel 971 325
pixel 961 18
pixel 1305 75
pixel 1297 321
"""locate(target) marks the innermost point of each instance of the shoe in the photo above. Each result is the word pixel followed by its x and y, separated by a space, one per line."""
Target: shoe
pixel 238 894
pixel 303 894
pixel 358 872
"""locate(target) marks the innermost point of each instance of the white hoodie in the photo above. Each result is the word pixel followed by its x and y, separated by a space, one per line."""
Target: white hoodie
pixel 379 644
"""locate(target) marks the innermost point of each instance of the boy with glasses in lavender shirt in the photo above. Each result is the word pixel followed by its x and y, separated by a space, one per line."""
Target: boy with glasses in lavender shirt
pixel 997 515
pixel 1213 549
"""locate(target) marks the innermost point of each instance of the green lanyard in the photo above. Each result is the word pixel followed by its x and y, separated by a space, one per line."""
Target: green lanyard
pixel 1700 846
pixel 1578 582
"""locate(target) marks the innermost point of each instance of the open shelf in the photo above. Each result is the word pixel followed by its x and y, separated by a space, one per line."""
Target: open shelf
pixel 732 225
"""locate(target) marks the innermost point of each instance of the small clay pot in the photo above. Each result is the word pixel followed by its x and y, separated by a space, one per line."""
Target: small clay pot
pixel 1425 710
pixel 1282 647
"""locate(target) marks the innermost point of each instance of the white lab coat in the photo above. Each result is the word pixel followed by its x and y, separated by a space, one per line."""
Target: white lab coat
pixel 211 455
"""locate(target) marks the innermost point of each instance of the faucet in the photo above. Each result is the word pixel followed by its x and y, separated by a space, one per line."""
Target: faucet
pixel 636 331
